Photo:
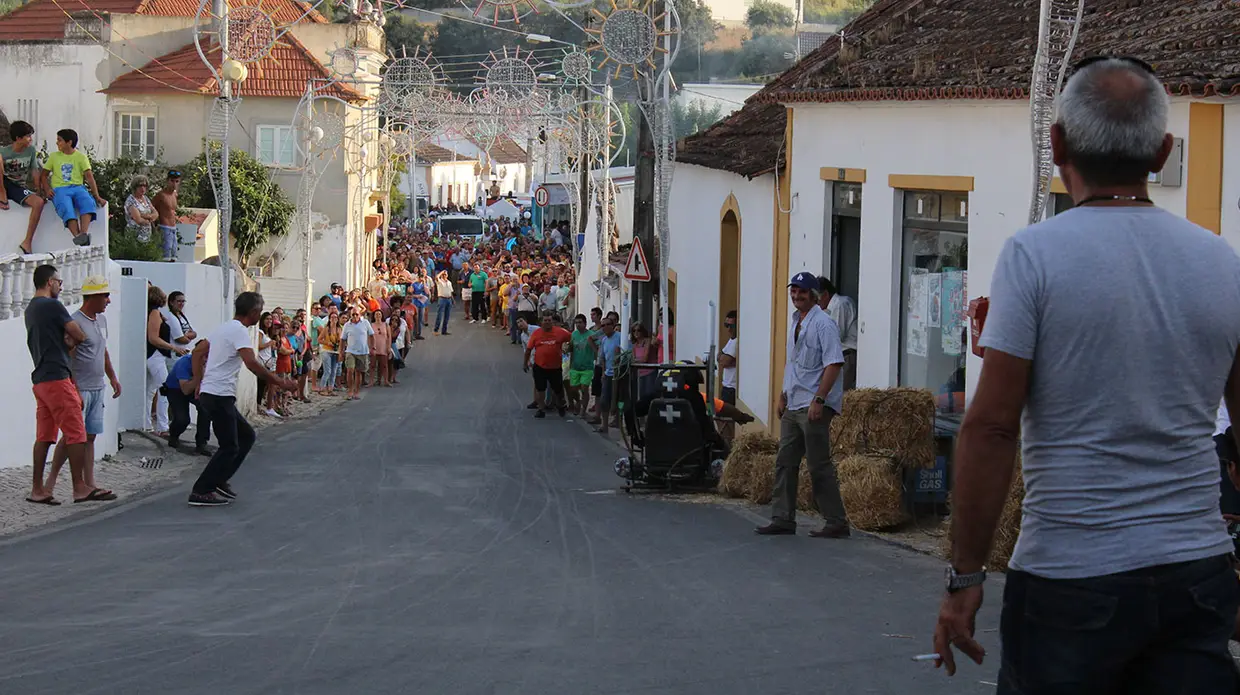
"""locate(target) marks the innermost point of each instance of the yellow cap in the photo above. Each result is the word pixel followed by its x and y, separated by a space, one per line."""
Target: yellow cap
pixel 95 284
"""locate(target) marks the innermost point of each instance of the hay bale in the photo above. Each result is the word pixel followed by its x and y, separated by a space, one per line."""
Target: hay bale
pixel 805 491
pixel 739 467
pixel 897 423
pixel 760 483
pixel 1008 529
pixel 873 491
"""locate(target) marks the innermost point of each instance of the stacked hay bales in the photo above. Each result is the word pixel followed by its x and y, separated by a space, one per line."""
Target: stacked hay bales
pixel 1008 529
pixel 882 434
pixel 749 472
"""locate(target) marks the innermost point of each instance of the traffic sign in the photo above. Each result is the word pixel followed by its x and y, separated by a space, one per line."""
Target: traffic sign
pixel 542 196
pixel 636 268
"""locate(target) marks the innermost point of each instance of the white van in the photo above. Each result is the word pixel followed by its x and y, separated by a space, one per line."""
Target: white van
pixel 464 226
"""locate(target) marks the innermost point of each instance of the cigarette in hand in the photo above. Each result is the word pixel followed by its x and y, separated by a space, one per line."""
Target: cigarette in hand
pixel 926 657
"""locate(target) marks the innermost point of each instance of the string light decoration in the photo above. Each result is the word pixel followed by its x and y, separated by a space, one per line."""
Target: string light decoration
pixel 409 80
pixel 576 66
pixel 344 63
pixel 499 11
pixel 251 33
pixel 629 37
pixel 509 79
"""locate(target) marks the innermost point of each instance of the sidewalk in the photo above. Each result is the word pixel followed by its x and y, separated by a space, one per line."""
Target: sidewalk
pixel 143 467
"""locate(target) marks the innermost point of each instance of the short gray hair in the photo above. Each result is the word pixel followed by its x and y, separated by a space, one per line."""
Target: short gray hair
pixel 136 181
pixel 1113 128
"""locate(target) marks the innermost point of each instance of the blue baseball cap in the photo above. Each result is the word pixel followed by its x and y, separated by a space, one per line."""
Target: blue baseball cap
pixel 806 281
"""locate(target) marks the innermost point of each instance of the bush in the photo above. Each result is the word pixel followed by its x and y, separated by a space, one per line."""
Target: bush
pixel 113 177
pixel 260 208
pixel 125 246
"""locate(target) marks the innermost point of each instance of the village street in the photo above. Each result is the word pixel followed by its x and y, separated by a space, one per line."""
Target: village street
pixel 434 538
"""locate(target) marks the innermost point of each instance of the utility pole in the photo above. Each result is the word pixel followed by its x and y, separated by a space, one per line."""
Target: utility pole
pixel 643 209
pixel 220 9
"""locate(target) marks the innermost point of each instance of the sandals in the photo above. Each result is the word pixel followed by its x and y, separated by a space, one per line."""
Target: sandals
pixel 24 251
pixel 49 501
pixel 97 495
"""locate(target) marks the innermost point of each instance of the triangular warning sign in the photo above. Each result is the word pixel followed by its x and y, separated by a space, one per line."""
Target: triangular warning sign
pixel 637 268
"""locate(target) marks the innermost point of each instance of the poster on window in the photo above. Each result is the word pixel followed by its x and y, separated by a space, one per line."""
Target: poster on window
pixel 918 308
pixel 934 290
pixel 954 305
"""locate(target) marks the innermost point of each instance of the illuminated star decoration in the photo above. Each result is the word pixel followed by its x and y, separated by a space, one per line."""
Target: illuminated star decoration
pixel 507 79
pixel 500 9
pixel 629 36
pixel 252 32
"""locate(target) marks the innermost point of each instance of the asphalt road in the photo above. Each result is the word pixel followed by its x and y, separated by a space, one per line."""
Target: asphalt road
pixel 434 538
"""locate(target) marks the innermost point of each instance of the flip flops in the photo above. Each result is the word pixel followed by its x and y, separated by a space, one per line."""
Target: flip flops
pixel 24 250
pixel 97 495
pixel 49 501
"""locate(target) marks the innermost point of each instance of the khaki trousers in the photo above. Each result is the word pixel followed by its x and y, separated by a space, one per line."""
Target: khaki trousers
pixel 799 438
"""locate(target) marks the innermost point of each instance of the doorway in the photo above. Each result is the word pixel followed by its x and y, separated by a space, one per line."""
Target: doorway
pixel 845 252
pixel 729 270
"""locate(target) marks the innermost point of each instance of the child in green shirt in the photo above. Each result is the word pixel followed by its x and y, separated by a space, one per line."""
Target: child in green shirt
pixel 68 169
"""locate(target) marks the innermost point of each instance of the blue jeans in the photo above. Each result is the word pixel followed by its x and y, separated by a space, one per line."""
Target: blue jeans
pixel 1154 630
pixel 331 369
pixel 442 314
pixel 512 325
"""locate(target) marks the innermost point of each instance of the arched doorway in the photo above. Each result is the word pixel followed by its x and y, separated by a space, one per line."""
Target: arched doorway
pixel 729 264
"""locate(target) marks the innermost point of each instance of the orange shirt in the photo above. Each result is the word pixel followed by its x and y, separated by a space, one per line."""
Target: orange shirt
pixel 548 346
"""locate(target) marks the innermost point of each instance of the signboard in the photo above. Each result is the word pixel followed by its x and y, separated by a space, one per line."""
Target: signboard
pixel 636 269
pixel 542 196
pixel 931 484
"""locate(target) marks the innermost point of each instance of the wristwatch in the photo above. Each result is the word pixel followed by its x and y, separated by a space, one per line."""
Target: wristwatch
pixel 957 581
pixel 820 400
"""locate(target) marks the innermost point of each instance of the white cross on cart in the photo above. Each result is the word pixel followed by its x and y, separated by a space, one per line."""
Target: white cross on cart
pixel 669 385
pixel 669 414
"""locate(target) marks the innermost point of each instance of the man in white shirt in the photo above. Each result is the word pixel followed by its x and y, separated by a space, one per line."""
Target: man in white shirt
pixel 844 313
pixel 812 395
pixel 727 361
pixel 355 339
pixel 218 359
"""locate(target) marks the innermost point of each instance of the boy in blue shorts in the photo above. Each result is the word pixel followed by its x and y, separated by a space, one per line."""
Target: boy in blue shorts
pixel 68 175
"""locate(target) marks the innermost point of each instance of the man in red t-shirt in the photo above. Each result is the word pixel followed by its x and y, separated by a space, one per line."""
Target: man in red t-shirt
pixel 547 344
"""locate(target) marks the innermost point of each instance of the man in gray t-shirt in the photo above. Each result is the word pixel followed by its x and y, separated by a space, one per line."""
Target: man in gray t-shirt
pixel 1112 331
pixel 92 371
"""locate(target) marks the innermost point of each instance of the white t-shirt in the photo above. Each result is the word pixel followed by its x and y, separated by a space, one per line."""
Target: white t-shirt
pixel 729 373
pixel 1223 420
pixel 224 359
pixel 356 337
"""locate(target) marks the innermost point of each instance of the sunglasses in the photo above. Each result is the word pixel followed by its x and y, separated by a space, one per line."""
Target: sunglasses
pixel 1134 62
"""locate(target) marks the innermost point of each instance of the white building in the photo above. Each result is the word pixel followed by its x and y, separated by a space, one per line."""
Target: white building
pixel 904 163
pixel 128 78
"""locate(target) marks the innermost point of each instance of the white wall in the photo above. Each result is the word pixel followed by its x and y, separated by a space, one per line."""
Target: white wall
pixel 51 235
pixel 986 140
pixel 54 86
pixel 289 293
pixel 698 195
pixel 1231 174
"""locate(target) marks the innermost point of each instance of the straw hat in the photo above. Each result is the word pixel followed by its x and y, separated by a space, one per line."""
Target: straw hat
pixel 95 284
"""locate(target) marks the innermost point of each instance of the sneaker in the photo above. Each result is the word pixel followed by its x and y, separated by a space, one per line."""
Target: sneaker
pixel 540 414
pixel 563 412
pixel 174 443
pixel 204 451
pixel 81 240
pixel 225 490
pixel 272 413
pixel 532 406
pixel 209 499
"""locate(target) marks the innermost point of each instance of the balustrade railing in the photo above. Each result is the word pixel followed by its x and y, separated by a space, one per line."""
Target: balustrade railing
pixel 75 265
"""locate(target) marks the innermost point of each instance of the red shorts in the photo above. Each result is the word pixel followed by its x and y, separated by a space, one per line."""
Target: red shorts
pixel 58 409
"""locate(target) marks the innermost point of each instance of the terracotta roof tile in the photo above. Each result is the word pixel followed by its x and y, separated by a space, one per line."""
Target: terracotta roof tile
pixel 283 73
pixel 44 20
pixel 979 49
pixel 746 143
pixel 437 155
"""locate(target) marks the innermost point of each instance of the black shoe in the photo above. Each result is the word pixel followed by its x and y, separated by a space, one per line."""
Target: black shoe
pixel 418 337
pixel 540 414
pixel 532 406
pixel 174 443
pixel 445 333
pixel 225 490
pixel 776 529
pixel 562 411
pixel 209 499
pixel 204 450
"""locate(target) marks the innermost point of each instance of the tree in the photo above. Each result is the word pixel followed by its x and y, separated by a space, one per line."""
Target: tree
pixel 835 11
pixel 114 178
pixel 693 117
pixel 404 34
pixel 260 208
pixel 765 16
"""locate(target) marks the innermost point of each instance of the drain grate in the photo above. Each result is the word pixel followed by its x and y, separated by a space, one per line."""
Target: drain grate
pixel 151 464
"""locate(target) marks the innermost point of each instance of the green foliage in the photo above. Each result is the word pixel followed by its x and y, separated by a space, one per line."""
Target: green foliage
pixel 404 34
pixel 764 55
pixel 260 208
pixel 764 16
pixel 114 177
pixel 686 119
pixel 835 11
pixel 7 6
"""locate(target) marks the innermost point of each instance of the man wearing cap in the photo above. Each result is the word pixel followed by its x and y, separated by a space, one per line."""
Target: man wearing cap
pixel 812 394
pixel 91 370
pixel 165 202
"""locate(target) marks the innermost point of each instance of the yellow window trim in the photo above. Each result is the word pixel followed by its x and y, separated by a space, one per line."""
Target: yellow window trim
pixel 842 174
pixel 1205 166
pixel 918 182
pixel 1058 187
